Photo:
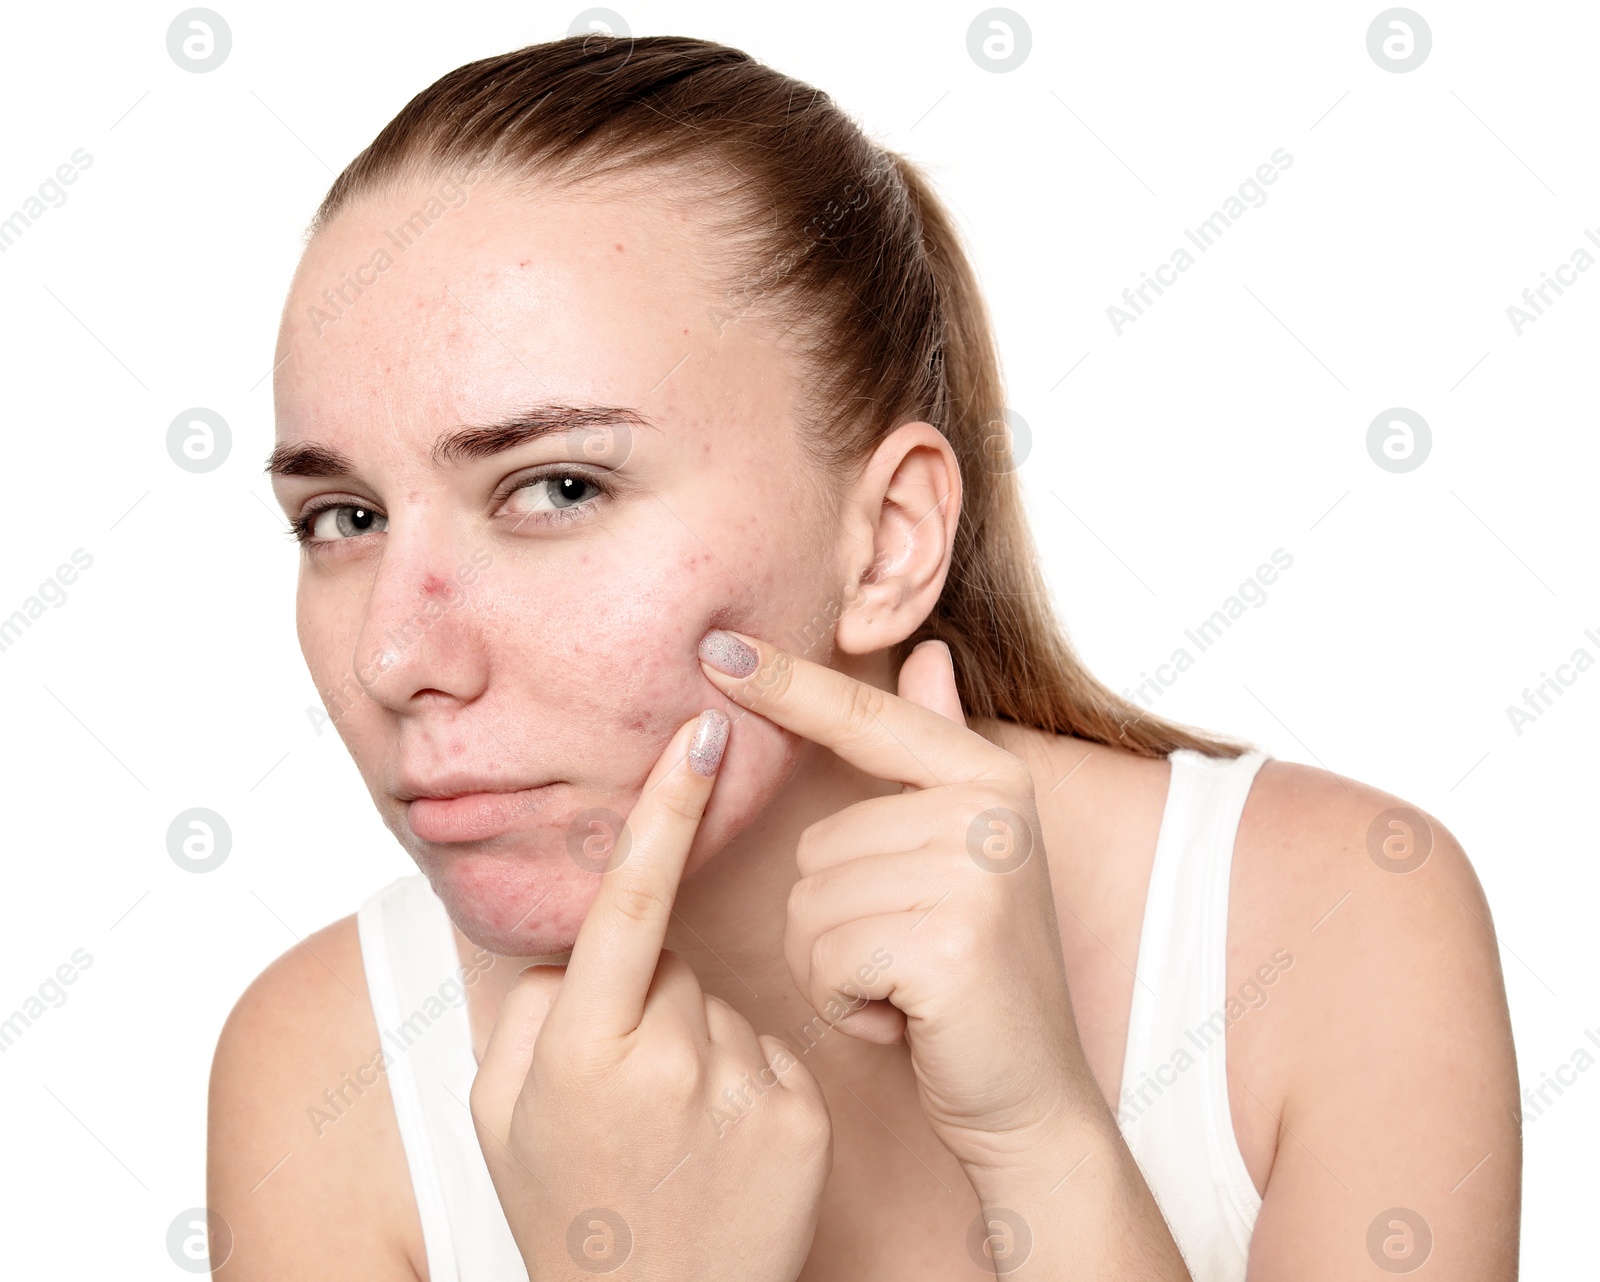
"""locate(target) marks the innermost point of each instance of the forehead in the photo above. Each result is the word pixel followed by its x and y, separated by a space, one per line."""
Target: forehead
pixel 446 303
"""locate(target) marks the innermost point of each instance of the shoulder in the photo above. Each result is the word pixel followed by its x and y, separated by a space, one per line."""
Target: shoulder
pixel 1312 844
pixel 301 1121
pixel 1383 1058
pixel 1380 907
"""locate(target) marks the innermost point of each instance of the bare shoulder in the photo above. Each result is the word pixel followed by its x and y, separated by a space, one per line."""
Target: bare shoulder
pixel 304 1159
pixel 1312 845
pixel 1307 832
pixel 1381 1063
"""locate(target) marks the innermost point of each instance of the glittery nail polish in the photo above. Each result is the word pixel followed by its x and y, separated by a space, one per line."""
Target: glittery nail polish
pixel 710 738
pixel 726 653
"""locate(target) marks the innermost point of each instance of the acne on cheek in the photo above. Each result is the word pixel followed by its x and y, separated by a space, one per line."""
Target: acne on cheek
pixel 665 683
pixel 668 687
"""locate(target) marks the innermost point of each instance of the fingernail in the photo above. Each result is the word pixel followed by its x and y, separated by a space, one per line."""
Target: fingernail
pixel 726 653
pixel 710 738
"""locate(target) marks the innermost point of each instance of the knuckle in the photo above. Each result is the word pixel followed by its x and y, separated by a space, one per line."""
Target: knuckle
pixel 536 987
pixel 809 1125
pixel 638 902
pixel 586 1062
pixel 998 804
pixel 675 803
pixel 862 707
pixel 801 897
pixel 675 975
pixel 818 958
pixel 958 809
pixel 956 945
pixel 1007 778
pixel 809 847
pixel 671 1069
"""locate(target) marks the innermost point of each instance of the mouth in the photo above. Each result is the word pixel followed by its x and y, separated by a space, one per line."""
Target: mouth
pixel 473 813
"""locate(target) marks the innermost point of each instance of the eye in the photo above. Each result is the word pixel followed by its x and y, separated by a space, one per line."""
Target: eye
pixel 552 496
pixel 340 521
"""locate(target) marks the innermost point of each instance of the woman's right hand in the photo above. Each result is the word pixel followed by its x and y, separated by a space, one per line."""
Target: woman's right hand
pixel 631 1123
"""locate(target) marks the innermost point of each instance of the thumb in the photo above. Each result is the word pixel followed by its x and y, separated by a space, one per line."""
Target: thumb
pixel 928 678
pixel 509 1053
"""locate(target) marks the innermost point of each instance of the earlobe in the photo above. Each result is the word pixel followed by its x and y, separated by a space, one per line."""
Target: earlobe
pixel 904 507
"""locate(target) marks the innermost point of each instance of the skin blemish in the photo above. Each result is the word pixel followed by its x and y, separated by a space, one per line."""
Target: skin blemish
pixel 619 249
pixel 433 585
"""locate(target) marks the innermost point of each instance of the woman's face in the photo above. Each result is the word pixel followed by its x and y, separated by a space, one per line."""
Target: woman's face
pixel 502 619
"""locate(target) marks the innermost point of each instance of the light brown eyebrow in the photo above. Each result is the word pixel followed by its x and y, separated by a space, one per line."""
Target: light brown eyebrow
pixel 307 458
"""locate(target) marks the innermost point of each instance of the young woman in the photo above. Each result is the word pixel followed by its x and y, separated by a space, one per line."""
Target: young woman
pixel 667 579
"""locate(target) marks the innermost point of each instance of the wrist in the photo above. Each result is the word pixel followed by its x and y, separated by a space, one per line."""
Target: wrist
pixel 1038 1163
pixel 1071 1204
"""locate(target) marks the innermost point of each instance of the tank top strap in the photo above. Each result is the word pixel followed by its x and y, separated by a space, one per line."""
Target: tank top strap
pixel 1173 1106
pixel 418 989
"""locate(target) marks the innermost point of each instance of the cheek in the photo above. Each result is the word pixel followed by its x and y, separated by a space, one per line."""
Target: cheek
pixel 329 615
pixel 312 627
pixel 606 670
pixel 327 628
pixel 609 670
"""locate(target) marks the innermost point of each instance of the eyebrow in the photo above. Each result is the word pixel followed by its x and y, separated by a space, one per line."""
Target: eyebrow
pixel 308 458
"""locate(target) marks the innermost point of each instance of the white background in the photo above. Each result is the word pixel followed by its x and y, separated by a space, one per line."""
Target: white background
pixel 1228 421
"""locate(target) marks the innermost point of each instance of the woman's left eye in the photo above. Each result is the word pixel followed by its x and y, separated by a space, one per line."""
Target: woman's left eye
pixel 553 495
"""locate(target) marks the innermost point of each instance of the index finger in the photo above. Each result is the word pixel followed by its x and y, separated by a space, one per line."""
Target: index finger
pixel 887 736
pixel 619 944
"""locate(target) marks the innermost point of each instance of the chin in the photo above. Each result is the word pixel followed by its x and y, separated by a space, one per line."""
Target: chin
pixel 519 899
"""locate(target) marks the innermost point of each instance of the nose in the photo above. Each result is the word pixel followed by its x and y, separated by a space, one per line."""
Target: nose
pixel 421 636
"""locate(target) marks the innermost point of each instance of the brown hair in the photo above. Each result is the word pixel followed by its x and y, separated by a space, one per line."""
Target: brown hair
pixel 848 246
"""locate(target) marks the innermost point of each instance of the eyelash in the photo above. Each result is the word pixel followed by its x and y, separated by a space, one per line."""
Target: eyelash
pixel 300 527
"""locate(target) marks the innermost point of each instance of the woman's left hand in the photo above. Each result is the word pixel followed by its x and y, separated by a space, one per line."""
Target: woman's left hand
pixel 929 913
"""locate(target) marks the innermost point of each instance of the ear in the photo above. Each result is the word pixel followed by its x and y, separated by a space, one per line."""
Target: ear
pixel 900 520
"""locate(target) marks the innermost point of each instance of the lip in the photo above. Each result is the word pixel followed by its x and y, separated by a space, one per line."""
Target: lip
pixel 473 814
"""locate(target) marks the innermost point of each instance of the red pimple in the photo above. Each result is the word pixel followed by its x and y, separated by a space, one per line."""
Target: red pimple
pixel 432 584
pixel 619 249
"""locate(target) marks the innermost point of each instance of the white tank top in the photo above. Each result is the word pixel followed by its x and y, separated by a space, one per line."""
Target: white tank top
pixel 1173 1110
